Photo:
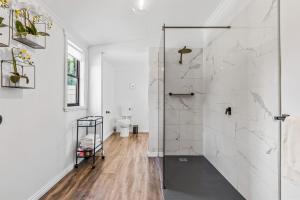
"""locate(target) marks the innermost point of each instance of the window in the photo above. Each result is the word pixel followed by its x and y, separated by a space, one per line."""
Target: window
pixel 73 81
pixel 74 78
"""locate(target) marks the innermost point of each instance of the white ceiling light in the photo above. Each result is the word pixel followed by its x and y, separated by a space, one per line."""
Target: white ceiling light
pixel 139 6
pixel 142 4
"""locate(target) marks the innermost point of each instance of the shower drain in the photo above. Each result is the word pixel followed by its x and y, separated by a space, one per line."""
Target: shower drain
pixel 183 160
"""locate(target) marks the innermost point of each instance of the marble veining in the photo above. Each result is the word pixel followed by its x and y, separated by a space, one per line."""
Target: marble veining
pixel 184 114
pixel 290 157
pixel 258 99
pixel 274 5
pixel 238 68
pixel 241 70
pixel 155 101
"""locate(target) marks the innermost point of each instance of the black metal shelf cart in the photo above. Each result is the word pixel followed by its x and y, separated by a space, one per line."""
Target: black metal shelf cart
pixel 90 122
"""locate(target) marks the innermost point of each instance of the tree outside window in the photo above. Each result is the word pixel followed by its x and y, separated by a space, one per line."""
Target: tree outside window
pixel 73 82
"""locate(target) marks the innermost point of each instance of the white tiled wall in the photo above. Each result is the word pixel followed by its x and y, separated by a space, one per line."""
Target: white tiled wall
pixel 183 116
pixel 241 71
pixel 156 101
pixel 290 31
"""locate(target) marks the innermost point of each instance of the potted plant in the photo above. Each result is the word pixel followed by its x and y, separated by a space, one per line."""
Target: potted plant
pixel 4 23
pixel 24 57
pixel 4 4
pixel 1 22
pixel 28 27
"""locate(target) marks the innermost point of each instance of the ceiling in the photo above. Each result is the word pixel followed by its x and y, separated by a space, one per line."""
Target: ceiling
pixel 101 22
pixel 126 29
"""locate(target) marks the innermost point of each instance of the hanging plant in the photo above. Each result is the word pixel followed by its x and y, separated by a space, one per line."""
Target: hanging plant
pixel 26 25
pixel 5 5
pixel 24 57
pixel 1 22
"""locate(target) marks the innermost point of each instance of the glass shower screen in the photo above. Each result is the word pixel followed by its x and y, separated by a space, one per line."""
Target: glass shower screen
pixel 221 92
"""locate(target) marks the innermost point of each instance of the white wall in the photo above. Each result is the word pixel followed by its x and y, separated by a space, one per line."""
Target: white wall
pixel 95 82
pixel 101 89
pixel 121 66
pixel 290 30
pixel 109 97
pixel 37 137
pixel 127 74
pixel 183 115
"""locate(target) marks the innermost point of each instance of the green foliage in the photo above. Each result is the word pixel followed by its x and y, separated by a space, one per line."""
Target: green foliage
pixel 28 27
pixel 43 34
pixel 1 22
pixel 31 29
pixel 14 62
pixel 26 78
pixel 72 69
pixel 16 77
pixel 20 28
pixel 72 81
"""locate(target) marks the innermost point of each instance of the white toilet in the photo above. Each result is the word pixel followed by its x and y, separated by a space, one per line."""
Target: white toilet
pixel 125 122
pixel 124 126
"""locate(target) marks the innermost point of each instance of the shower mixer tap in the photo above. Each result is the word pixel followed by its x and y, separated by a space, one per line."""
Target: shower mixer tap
pixel 228 111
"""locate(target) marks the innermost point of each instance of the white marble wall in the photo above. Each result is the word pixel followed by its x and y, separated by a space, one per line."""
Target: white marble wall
pixel 291 159
pixel 183 114
pixel 241 70
pixel 156 101
pixel 290 99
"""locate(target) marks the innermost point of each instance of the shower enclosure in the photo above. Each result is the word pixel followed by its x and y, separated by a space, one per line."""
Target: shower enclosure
pixel 219 96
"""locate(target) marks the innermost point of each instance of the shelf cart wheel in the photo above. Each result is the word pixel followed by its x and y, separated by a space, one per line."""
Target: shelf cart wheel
pixel 93 167
pixel 76 166
pixel 103 157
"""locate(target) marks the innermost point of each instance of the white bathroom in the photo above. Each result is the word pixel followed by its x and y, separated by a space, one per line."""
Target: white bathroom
pixel 122 92
pixel 149 100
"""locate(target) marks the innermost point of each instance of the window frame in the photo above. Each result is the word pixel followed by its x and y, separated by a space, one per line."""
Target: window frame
pixel 80 55
pixel 77 77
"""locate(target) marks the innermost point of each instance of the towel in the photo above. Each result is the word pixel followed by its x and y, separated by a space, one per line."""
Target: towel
pixel 291 149
pixel 88 141
pixel 85 123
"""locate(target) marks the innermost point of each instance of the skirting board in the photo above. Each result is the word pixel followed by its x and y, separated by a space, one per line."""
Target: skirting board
pixel 43 190
pixel 155 154
pixel 51 183
pixel 55 180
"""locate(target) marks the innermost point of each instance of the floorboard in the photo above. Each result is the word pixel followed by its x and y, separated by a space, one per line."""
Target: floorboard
pixel 126 174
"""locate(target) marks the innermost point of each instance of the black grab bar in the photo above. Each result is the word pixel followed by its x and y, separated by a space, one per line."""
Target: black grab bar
pixel 178 94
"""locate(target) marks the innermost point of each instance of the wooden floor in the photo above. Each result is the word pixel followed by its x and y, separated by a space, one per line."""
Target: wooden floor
pixel 126 174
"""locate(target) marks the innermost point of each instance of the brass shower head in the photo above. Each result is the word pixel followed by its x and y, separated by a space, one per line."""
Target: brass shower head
pixel 184 51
